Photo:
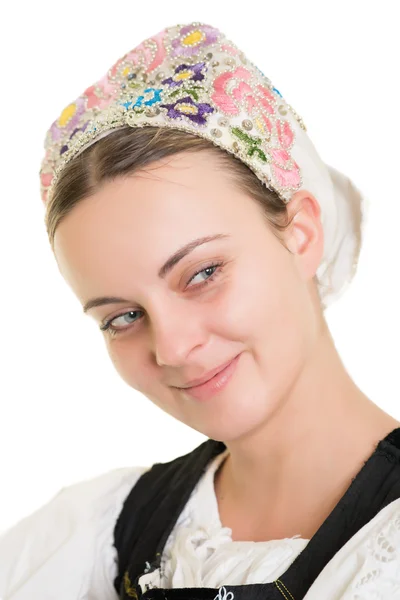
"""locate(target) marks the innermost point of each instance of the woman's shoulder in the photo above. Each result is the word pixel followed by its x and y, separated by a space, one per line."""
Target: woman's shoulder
pixel 87 493
pixel 369 562
pixel 74 528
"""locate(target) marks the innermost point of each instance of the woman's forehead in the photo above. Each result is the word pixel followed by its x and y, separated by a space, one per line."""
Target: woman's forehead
pixel 140 221
pixel 184 193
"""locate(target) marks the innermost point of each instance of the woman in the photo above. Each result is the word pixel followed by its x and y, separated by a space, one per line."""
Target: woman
pixel 191 215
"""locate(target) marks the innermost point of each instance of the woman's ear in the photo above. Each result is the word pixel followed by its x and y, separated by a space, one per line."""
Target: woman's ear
pixel 305 235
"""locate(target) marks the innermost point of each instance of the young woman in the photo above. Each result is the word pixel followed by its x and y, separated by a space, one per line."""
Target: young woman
pixel 191 215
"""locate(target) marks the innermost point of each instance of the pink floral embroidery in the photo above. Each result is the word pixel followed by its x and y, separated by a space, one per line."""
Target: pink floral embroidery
pixel 221 97
pixel 230 49
pixel 108 91
pixel 242 94
pixel 280 157
pixel 267 99
pixel 142 55
pixel 114 69
pixel 233 92
pixel 102 93
pixel 285 134
pixel 46 179
pixel 285 170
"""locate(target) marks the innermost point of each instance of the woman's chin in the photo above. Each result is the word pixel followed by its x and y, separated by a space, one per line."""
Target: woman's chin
pixel 231 425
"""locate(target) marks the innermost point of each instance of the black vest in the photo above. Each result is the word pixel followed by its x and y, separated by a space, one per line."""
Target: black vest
pixel 153 506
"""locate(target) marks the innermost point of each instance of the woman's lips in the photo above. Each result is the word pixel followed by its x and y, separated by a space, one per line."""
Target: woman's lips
pixel 206 390
pixel 210 374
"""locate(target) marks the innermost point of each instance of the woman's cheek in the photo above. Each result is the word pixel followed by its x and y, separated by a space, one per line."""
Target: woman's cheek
pixel 122 355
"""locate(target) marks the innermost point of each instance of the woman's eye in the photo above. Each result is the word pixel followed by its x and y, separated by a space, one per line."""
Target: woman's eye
pixel 125 319
pixel 119 322
pixel 210 270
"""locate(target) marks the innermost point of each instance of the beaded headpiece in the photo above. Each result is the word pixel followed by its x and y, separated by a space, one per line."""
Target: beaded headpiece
pixel 192 78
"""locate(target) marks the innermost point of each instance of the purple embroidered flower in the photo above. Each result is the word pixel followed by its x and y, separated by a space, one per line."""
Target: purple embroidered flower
pixel 186 73
pixel 68 120
pixel 84 126
pixel 186 107
pixel 75 131
pixel 191 39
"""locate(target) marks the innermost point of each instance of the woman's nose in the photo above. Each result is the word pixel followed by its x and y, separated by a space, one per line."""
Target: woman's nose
pixel 176 331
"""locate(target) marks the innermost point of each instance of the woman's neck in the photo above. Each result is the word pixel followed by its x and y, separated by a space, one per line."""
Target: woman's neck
pixel 286 477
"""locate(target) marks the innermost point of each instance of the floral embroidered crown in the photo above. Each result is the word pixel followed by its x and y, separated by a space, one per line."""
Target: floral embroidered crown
pixel 188 77
pixel 191 77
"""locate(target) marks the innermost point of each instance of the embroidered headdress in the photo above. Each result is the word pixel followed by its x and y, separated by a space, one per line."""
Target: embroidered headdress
pixel 191 77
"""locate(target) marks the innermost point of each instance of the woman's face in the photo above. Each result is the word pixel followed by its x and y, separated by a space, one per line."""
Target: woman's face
pixel 250 296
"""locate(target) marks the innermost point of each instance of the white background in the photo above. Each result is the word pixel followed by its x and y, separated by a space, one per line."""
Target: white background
pixel 64 413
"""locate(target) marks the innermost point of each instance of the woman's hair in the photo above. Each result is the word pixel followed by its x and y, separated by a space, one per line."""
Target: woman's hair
pixel 127 150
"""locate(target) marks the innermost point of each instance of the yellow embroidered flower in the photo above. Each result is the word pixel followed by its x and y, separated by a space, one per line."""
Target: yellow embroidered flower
pixel 193 38
pixel 67 114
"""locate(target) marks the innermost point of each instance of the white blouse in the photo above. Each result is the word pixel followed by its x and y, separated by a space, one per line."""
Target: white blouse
pixel 65 550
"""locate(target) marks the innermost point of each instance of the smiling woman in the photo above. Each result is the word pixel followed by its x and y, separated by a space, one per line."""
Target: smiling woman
pixel 178 320
pixel 192 217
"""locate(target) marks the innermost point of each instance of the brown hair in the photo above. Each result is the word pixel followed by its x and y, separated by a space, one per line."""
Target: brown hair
pixel 127 150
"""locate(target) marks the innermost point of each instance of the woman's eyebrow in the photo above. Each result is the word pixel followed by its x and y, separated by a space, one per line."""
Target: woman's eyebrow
pixel 166 268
